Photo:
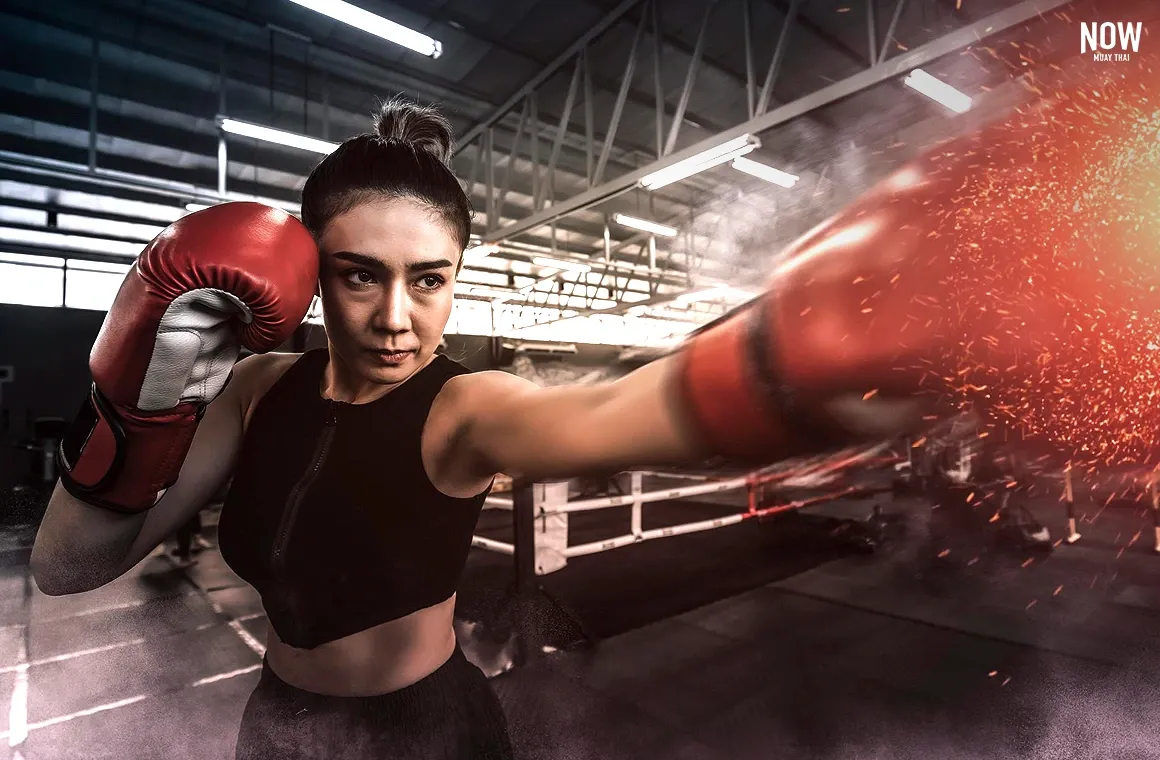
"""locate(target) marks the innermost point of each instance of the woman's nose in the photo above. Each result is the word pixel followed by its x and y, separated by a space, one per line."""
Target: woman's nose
pixel 394 313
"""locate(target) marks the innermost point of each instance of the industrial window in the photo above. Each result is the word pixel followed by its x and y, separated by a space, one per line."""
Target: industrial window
pixel 92 284
pixel 51 281
pixel 31 280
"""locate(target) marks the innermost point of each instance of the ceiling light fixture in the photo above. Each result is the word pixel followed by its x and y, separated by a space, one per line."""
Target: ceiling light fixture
pixel 713 293
pixel 706 159
pixel 479 252
pixel 289 139
pixel 938 91
pixel 567 266
pixel 376 25
pixel 484 292
pixel 767 173
pixel 644 225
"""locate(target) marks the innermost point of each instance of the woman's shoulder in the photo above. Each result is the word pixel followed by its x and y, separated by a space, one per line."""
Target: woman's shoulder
pixel 469 393
pixel 256 374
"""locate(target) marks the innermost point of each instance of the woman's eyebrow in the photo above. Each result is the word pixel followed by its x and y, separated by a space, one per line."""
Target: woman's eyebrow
pixel 371 262
pixel 425 266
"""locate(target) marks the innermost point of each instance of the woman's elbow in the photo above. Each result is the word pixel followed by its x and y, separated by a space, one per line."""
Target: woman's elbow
pixel 56 578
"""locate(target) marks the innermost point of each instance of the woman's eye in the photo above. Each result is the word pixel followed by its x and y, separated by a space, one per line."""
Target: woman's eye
pixel 359 277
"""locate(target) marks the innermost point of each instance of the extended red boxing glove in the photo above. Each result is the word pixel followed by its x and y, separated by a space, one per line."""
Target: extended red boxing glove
pixel 233 275
pixel 1016 269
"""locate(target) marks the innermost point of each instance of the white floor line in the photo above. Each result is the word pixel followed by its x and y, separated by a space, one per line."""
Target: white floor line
pixel 112 608
pixel 81 714
pixel 28 727
pixel 71 655
pixel 107 647
pixel 224 676
pixel 17 731
pixel 18 709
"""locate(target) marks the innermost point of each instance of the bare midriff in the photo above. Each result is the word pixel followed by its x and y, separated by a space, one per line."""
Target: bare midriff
pixel 379 660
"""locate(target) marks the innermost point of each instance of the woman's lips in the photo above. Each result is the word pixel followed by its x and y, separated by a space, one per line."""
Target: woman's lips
pixel 390 357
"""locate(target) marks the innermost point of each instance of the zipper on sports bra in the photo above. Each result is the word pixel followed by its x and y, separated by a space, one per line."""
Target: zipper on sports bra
pixel 290 513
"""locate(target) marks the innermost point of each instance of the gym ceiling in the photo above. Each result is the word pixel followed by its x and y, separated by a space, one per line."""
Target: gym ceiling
pixel 114 112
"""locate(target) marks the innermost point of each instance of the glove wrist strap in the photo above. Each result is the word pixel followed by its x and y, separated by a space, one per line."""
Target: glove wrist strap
pixel 120 458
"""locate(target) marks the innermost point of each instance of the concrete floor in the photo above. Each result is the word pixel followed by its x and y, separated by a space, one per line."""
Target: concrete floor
pixel 894 655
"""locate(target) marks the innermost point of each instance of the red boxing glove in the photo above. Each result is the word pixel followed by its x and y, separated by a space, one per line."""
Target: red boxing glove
pixel 1017 269
pixel 233 275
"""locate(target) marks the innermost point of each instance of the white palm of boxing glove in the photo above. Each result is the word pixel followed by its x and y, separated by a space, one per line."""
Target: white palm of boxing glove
pixel 195 350
pixel 234 275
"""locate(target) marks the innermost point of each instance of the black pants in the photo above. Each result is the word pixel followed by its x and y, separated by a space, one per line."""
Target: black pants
pixel 451 714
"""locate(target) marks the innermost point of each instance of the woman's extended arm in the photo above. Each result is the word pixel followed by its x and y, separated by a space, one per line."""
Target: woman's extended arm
pixel 518 428
pixel 515 427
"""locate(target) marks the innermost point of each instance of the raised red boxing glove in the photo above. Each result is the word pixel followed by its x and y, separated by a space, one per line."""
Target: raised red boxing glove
pixel 1016 270
pixel 233 275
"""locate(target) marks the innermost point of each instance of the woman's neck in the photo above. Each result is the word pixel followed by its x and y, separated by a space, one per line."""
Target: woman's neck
pixel 341 383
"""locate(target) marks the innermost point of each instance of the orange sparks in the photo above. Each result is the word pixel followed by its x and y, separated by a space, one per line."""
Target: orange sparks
pixel 1057 590
pixel 1032 604
pixel 944 553
pixel 870 394
pixel 1028 562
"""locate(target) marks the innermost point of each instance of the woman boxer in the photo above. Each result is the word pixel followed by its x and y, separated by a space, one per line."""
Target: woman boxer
pixel 359 471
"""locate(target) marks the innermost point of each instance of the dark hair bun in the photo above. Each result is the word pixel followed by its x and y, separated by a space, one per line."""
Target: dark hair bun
pixel 421 127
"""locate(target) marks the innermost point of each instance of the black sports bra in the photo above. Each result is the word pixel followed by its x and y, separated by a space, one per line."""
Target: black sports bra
pixel 331 516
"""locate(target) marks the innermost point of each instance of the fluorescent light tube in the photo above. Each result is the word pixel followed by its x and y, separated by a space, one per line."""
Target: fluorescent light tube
pixel 706 159
pixel 376 25
pixel 767 173
pixel 645 225
pixel 258 132
pixel 700 295
pixel 483 292
pixel 568 266
pixel 479 252
pixel 938 91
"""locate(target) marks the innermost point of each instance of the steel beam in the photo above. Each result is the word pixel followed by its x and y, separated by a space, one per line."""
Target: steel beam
pixel 618 108
pixel 660 95
pixel 920 56
pixel 690 80
pixel 750 76
pixel 548 187
pixel 576 47
pixel 589 119
pixel 890 30
pixel 778 57
pixel 512 155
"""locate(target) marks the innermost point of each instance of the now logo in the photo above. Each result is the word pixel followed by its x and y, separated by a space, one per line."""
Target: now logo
pixel 1098 37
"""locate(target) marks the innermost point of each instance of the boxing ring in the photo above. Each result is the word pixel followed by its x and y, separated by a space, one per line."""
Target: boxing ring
pixel 540 510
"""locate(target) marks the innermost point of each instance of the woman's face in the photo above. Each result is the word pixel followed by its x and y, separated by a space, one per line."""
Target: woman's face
pixel 386 279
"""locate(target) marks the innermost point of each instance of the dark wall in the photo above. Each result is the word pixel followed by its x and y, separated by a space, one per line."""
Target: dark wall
pixel 48 350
